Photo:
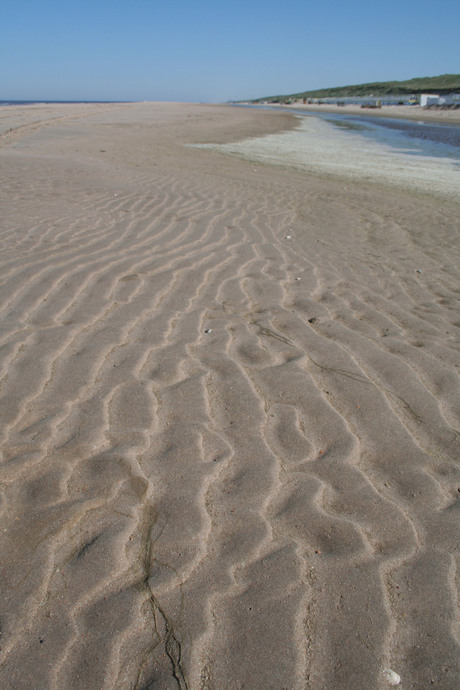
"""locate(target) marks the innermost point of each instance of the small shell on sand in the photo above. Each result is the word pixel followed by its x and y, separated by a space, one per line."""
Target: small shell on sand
pixel 391 677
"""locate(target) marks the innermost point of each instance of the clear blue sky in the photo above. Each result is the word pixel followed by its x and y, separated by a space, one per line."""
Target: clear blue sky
pixel 210 50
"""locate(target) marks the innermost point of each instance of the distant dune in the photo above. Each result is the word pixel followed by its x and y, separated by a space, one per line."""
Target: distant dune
pixel 444 84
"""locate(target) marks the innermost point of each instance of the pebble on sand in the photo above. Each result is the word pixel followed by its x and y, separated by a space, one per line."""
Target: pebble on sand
pixel 391 677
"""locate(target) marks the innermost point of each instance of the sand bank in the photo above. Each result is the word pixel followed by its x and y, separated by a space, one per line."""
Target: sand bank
pixel 229 415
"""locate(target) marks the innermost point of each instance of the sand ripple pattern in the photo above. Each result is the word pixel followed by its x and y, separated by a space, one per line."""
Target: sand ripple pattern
pixel 230 424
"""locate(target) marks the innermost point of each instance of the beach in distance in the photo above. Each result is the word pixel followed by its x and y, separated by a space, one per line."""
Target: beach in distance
pixel 229 402
pixel 407 112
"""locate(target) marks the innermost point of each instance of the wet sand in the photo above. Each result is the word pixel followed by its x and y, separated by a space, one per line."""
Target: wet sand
pixel 229 410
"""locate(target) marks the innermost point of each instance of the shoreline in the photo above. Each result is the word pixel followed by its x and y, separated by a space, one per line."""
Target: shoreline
pixel 403 112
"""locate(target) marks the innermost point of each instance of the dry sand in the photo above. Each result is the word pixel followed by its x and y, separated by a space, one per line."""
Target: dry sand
pixel 229 415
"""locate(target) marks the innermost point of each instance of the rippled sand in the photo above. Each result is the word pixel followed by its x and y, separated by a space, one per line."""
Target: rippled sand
pixel 229 415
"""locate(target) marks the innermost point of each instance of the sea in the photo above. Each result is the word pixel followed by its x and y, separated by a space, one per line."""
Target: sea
pixel 57 102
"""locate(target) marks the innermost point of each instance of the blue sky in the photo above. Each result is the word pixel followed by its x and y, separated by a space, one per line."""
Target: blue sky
pixel 216 51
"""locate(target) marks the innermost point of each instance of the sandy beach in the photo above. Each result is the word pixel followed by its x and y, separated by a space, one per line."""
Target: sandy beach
pixel 230 407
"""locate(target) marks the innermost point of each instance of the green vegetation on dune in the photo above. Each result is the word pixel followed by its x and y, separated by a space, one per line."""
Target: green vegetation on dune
pixel 444 84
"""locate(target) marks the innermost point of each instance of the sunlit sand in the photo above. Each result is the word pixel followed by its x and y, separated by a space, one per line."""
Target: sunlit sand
pixel 230 404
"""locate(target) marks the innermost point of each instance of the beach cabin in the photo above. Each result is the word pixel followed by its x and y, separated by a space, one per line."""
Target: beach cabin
pixel 427 99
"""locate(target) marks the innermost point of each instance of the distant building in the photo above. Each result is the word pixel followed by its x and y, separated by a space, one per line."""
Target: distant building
pixel 427 99
pixel 366 100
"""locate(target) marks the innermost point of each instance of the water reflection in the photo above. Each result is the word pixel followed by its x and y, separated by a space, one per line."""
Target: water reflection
pixel 419 138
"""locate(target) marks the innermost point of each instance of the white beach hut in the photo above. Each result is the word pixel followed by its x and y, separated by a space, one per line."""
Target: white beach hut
pixel 434 99
pixel 429 99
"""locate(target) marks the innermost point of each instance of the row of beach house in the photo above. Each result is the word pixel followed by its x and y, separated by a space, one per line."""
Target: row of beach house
pixel 424 100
